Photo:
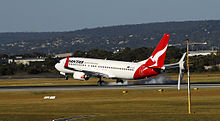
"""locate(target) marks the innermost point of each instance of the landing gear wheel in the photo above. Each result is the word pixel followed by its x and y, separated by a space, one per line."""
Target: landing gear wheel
pixel 66 77
pixel 100 81
pixel 119 80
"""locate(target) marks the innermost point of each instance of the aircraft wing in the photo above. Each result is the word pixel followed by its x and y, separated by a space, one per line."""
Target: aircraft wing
pixel 92 73
pixel 179 64
pixel 173 65
pixel 98 74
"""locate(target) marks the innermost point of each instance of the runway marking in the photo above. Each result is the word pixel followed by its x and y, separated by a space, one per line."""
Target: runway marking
pixel 95 87
pixel 69 118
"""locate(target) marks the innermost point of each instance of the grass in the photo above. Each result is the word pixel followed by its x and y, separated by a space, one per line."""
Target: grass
pixel 195 77
pixel 46 82
pixel 108 105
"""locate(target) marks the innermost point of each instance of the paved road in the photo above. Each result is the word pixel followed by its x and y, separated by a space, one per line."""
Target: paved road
pixel 95 87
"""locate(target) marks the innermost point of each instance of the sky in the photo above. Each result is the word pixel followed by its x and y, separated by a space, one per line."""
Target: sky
pixel 69 15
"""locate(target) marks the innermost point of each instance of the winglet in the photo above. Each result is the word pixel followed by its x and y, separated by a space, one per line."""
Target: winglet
pixel 181 60
pixel 67 62
pixel 181 70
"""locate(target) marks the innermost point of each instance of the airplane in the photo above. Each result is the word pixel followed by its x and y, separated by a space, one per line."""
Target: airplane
pixel 84 68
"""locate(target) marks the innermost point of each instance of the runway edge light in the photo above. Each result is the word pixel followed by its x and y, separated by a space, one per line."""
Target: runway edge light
pixel 160 90
pixel 196 89
pixel 124 91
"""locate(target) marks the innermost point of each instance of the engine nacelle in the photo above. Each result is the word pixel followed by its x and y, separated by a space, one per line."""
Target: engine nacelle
pixel 80 76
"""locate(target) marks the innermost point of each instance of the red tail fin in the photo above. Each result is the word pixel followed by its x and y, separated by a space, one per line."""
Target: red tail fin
pixel 151 66
pixel 67 62
pixel 157 58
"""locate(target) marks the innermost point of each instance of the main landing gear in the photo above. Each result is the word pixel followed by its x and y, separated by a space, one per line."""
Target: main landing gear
pixel 100 81
pixel 119 80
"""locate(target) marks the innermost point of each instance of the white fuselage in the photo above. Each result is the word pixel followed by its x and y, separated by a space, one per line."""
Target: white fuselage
pixel 113 69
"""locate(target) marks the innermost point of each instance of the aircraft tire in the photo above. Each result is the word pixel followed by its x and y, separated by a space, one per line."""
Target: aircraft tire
pixel 66 77
pixel 100 83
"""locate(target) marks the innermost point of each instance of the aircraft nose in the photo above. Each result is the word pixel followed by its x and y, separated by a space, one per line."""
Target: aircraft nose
pixel 57 66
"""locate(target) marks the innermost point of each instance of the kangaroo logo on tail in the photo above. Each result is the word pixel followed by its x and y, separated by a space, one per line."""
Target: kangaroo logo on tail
pixel 155 58
pixel 158 56
pixel 155 61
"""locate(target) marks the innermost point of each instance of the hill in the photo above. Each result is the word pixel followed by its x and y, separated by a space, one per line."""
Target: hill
pixel 111 38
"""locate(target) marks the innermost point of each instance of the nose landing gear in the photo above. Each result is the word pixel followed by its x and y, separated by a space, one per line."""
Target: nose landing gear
pixel 66 77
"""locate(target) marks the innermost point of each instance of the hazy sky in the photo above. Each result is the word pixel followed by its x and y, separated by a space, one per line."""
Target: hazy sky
pixel 65 15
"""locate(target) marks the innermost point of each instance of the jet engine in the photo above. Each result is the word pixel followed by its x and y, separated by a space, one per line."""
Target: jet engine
pixel 80 76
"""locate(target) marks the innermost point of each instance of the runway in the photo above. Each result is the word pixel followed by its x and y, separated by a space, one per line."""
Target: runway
pixel 95 87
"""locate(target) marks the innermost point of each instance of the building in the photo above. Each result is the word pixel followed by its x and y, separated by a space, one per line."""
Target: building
pixel 202 52
pixel 210 67
pixel 63 55
pixel 3 61
pixel 26 61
